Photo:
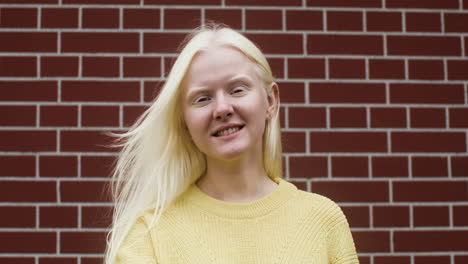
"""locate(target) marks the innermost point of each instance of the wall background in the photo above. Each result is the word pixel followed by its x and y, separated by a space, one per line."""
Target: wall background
pixel 374 114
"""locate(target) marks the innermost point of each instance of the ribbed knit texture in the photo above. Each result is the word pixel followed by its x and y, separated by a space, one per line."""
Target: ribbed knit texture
pixel 286 226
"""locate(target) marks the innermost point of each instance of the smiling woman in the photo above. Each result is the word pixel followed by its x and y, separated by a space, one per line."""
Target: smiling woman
pixel 199 177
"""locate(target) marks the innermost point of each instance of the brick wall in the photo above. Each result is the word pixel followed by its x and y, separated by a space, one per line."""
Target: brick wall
pixel 374 114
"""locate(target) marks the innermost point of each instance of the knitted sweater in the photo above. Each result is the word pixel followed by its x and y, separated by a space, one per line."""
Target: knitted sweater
pixel 286 226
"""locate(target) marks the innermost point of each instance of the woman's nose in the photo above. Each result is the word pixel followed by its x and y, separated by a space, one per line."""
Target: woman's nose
pixel 222 108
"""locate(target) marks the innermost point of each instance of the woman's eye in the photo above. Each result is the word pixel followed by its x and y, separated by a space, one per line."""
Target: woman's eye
pixel 202 99
pixel 238 90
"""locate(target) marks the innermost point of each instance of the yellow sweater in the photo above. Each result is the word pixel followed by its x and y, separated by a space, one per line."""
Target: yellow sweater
pixel 286 226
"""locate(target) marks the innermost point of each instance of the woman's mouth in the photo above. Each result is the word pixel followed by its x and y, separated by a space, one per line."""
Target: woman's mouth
pixel 228 131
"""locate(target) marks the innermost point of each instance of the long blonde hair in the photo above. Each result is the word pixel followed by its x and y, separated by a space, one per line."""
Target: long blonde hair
pixel 158 161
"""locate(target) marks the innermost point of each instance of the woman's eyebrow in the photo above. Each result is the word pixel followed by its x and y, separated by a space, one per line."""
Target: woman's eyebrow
pixel 239 77
pixel 194 90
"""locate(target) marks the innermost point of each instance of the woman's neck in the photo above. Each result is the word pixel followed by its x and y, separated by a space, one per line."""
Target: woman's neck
pixel 236 181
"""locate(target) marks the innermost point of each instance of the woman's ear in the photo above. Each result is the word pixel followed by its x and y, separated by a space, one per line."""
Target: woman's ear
pixel 273 100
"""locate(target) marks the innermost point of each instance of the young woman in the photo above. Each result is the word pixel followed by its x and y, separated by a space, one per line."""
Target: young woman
pixel 199 177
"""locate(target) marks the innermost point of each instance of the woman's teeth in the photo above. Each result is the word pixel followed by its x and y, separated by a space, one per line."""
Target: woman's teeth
pixel 227 131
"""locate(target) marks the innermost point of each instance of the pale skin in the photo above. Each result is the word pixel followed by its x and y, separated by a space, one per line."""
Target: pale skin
pixel 223 89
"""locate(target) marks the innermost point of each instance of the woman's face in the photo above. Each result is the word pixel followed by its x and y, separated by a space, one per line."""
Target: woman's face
pixel 225 104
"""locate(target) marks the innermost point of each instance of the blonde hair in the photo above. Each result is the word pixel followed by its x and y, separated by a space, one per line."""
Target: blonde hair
pixel 158 161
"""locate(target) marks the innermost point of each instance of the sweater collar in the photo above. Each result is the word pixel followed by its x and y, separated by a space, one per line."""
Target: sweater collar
pixel 280 195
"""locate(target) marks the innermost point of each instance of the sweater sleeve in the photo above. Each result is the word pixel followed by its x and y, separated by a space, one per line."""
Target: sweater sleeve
pixel 137 247
pixel 341 248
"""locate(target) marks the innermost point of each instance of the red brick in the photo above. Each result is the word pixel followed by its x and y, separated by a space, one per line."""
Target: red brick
pixel 429 166
pixel 92 260
pixel 18 66
pixel 58 166
pixel 21 42
pixel 141 18
pixel 230 17
pixel 101 91
pixel 300 184
pixel 388 117
pixel 426 69
pixel 57 260
pixel 18 166
pixel 432 259
pixel 460 215
pixel 431 216
pixel 392 166
pixel 82 242
pixel 307 117
pixel 27 242
pixel 132 113
pixel 173 18
pixel 265 2
pixel 344 20
pixel 432 4
pixel 151 90
pixel 17 115
pixel 83 191
pixel 347 117
pixel 58 216
pixel 386 69
pixel 391 216
pixel 347 68
pixel 13 216
pixel 348 142
pixel 59 115
pixel 103 2
pixel 59 66
pixel 16 260
pixel 303 68
pixel 292 92
pixel 347 92
pixel 344 3
pixel 423 22
pixel 106 42
pixel 459 166
pixel 278 43
pixel 417 93
pixel 460 259
pixel 84 140
pixel 277 67
pixel 358 216
pixel 100 18
pixel 466 46
pixel 99 115
pixel 181 2
pixel 308 167
pixel 423 45
pixel 343 166
pixel 293 142
pixel 263 19
pixel 161 42
pixel 304 20
pixel 27 191
pixel 372 241
pixel 142 67
pixel 456 22
pixel 96 216
pixel 457 69
pixel 347 191
pixel 100 66
pixel 392 259
pixel 355 44
pixel 383 21
pixel 428 142
pixel 28 140
pixel 427 117
pixel 429 191
pixel 458 117
pixel 97 166
pixel 59 18
pixel 18 17
pixel 430 240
